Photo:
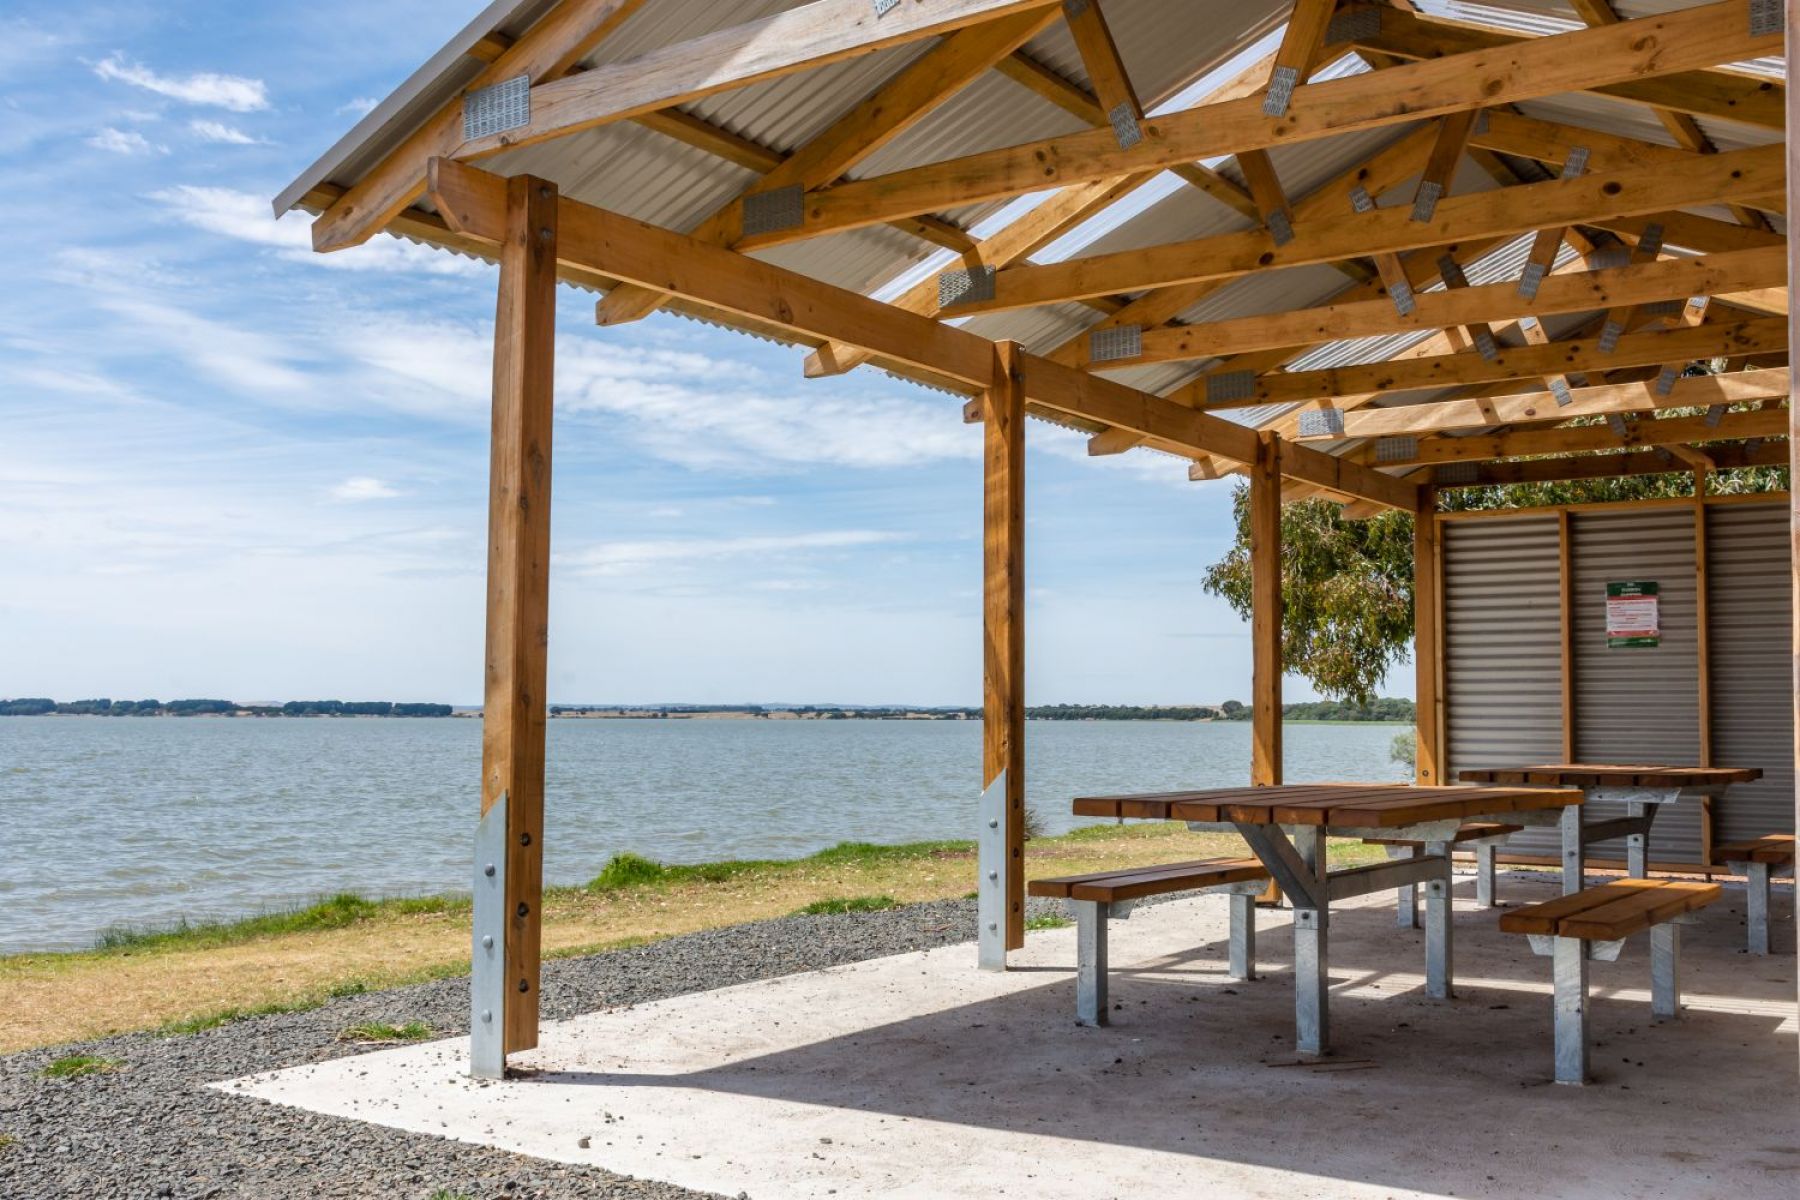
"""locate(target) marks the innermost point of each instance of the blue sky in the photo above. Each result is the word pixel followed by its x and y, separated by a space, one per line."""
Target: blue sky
pixel 229 467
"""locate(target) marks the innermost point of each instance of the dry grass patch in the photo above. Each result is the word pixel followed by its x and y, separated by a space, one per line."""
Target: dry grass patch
pixel 186 980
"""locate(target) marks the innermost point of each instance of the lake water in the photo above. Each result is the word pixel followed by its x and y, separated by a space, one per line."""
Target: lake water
pixel 113 821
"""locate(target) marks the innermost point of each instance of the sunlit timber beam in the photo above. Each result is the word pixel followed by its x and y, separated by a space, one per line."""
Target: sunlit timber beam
pixel 1770 453
pixel 1668 431
pixel 1700 92
pixel 589 239
pixel 1628 191
pixel 1646 47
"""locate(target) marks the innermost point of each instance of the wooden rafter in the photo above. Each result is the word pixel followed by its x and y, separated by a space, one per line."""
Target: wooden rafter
pixel 1771 453
pixel 1666 44
pixel 594 240
pixel 1506 211
pixel 1668 431
pixel 898 105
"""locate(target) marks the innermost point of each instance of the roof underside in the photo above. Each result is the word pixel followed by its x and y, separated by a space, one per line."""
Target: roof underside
pixel 1175 51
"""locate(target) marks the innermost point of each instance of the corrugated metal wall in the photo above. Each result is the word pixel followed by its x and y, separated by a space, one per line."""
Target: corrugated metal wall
pixel 1502 643
pixel 1639 705
pixel 1503 655
pixel 1751 588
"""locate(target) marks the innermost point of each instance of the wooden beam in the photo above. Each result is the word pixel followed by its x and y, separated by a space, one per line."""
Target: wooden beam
pixel 1792 115
pixel 1118 99
pixel 895 107
pixel 1066 94
pixel 1566 631
pixel 812 35
pixel 1446 152
pixel 1516 362
pixel 1629 191
pixel 1301 42
pixel 547 51
pixel 1632 462
pixel 1668 431
pixel 1427 649
pixel 1717 275
pixel 514 708
pixel 1265 614
pixel 1703 93
pixel 1646 47
pixel 1003 629
pixel 1699 391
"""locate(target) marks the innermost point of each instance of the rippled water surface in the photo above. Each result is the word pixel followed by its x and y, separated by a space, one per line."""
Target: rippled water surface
pixel 140 821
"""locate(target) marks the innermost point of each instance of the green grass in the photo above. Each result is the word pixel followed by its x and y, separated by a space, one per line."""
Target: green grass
pixel 7 1142
pixel 75 1066
pixel 626 871
pixel 849 904
pixel 382 1031
pixel 447 1194
pixel 1048 921
pixel 332 912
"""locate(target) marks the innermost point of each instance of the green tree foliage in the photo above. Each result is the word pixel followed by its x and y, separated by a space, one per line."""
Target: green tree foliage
pixel 1347 585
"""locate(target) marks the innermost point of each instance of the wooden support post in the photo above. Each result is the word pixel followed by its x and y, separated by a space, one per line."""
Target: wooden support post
pixel 513 714
pixel 1703 652
pixel 1566 590
pixel 1793 187
pixel 1001 862
pixel 1427 646
pixel 1265 613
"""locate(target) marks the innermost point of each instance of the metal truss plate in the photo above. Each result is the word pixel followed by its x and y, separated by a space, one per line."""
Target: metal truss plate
pixel 1664 308
pixel 990 887
pixel 1402 296
pixel 1714 414
pixel 1609 258
pixel 1230 385
pixel 1751 446
pixel 1118 342
pixel 1451 474
pixel 1531 279
pixel 1322 422
pixel 1766 17
pixel 884 7
pixel 774 210
pixel 1485 346
pixel 490 110
pixel 1360 200
pixel 1352 25
pixel 1281 90
pixel 1425 203
pixel 1125 127
pixel 1451 272
pixel 1396 449
pixel 1609 337
pixel 1576 163
pixel 1559 388
pixel 1650 242
pixel 1281 230
pixel 965 287
pixel 1665 382
pixel 487 977
pixel 1619 425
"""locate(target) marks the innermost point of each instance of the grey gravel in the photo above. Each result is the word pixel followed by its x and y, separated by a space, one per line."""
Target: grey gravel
pixel 151 1129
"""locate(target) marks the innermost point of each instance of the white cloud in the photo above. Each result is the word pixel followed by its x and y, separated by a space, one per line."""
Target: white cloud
pixel 233 92
pixel 625 558
pixel 218 131
pixel 363 487
pixel 359 107
pixel 245 218
pixel 127 141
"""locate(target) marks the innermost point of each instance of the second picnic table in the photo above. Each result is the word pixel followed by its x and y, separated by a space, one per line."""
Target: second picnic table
pixel 1286 827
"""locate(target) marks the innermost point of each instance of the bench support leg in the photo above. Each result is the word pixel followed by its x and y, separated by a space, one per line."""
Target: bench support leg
pixel 1243 936
pixel 1312 957
pixel 1438 938
pixel 1569 969
pixel 1637 845
pixel 1756 884
pixel 1406 903
pixel 1090 961
pixel 1484 875
pixel 1665 971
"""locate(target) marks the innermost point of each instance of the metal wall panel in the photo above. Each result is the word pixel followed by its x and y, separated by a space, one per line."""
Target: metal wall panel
pixel 1639 705
pixel 1502 644
pixel 1750 588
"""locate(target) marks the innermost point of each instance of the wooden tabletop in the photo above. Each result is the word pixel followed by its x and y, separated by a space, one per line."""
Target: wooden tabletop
pixel 1351 805
pixel 1649 775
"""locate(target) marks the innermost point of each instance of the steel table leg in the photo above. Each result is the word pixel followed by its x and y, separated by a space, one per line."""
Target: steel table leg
pixel 1665 971
pixel 1312 970
pixel 1484 875
pixel 1090 961
pixel 1406 903
pixel 1637 845
pixel 1573 849
pixel 1243 936
pixel 1756 891
pixel 1438 928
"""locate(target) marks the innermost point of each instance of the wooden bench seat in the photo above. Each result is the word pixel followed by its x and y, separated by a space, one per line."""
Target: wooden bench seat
pixel 1486 837
pixel 1102 895
pixel 1756 860
pixel 1594 923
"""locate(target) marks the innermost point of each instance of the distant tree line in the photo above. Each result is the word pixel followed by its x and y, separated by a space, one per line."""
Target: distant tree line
pixel 37 706
pixel 1388 708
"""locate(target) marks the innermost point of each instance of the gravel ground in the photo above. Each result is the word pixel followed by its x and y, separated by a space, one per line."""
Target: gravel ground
pixel 150 1129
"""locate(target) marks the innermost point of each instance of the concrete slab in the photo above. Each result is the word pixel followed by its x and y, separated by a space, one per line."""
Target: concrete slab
pixel 917 1076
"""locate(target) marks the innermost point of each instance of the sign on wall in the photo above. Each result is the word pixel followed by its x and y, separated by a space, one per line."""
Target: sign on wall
pixel 1632 615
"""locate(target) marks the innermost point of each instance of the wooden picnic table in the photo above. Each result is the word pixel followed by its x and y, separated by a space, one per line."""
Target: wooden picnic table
pixel 1641 787
pixel 1286 827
